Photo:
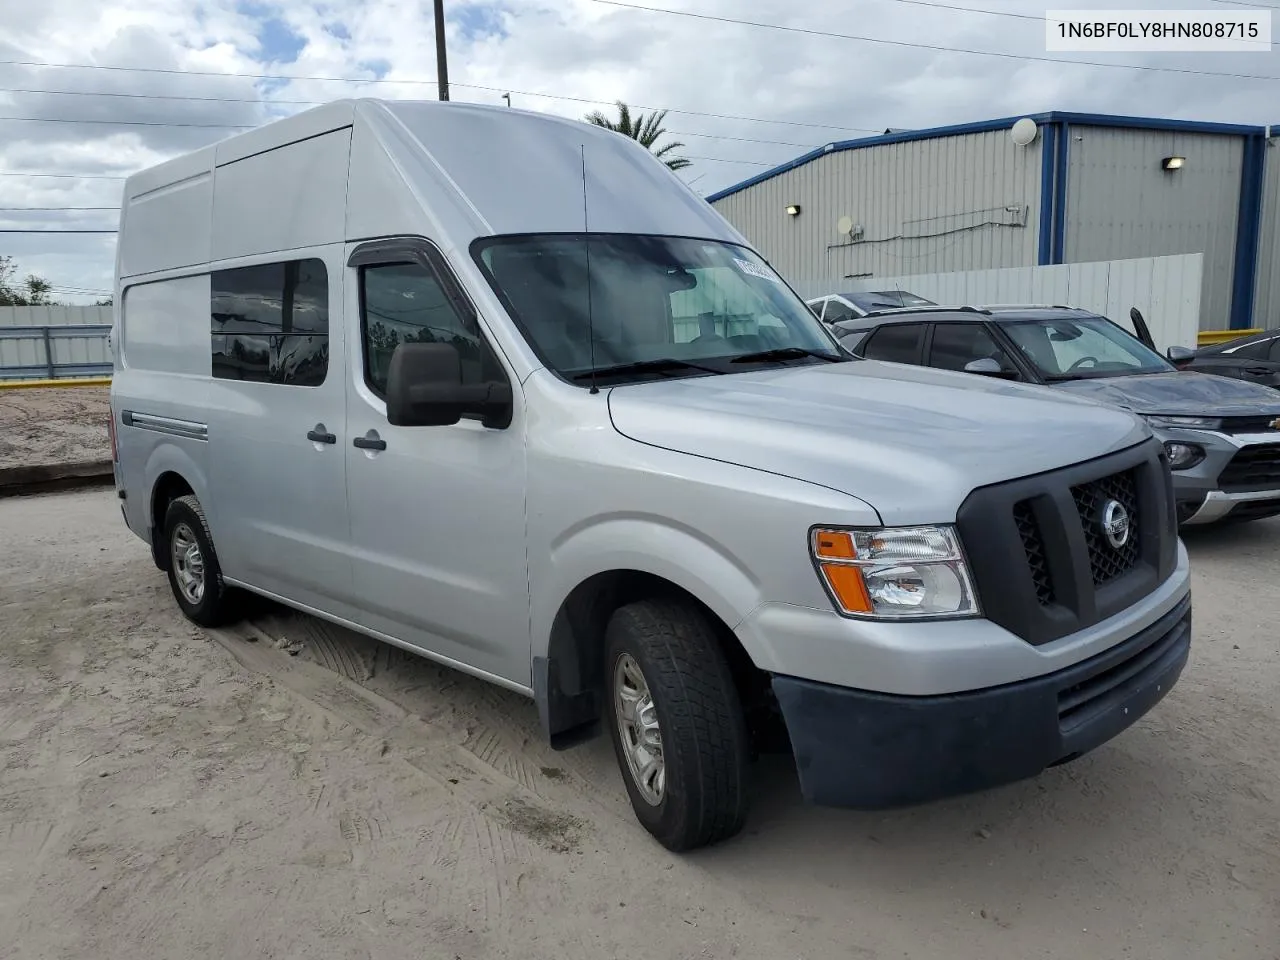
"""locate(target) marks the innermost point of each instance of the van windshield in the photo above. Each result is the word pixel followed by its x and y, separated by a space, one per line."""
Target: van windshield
pixel 655 306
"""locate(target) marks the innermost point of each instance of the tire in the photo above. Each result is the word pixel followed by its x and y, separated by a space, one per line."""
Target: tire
pixel 188 545
pixel 700 796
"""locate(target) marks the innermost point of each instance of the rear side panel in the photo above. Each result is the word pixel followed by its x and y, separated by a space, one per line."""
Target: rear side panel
pixel 159 393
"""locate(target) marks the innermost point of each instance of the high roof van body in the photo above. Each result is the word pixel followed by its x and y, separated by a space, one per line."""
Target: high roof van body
pixel 497 388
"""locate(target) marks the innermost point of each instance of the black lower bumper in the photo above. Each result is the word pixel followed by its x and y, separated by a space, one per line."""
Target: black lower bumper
pixel 866 750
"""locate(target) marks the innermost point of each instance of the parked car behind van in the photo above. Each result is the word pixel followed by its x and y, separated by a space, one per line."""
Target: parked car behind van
pixel 1255 358
pixel 497 388
pixel 835 307
pixel 1221 436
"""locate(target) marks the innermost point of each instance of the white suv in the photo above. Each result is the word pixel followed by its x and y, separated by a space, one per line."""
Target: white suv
pixel 835 307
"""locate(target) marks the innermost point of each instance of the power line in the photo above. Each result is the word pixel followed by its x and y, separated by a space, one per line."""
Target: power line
pixel 1241 3
pixel 53 230
pixel 245 126
pixel 162 96
pixel 469 86
pixel 251 126
pixel 63 176
pixel 134 123
pixel 931 46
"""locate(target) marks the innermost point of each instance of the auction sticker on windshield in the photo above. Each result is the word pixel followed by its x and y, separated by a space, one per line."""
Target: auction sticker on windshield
pixel 755 270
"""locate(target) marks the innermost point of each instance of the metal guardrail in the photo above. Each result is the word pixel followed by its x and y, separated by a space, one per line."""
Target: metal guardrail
pixel 51 368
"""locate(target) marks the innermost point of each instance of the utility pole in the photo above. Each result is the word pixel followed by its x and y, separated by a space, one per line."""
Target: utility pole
pixel 442 64
pixel 507 97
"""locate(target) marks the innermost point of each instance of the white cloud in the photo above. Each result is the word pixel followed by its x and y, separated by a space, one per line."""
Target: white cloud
pixel 572 48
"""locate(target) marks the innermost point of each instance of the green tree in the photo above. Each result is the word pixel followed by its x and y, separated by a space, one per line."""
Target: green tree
pixel 31 292
pixel 646 130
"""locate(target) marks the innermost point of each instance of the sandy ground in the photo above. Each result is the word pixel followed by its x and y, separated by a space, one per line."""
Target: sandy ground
pixel 41 426
pixel 284 790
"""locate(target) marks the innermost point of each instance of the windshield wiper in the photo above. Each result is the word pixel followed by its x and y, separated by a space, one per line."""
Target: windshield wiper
pixel 661 365
pixel 785 353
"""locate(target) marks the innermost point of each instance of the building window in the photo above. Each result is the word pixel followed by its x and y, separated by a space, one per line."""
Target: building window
pixel 270 323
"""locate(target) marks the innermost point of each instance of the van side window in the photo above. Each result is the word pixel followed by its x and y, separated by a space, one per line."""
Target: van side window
pixel 404 303
pixel 269 323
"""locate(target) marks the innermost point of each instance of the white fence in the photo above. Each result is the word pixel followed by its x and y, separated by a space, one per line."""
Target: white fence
pixel 54 341
pixel 1165 289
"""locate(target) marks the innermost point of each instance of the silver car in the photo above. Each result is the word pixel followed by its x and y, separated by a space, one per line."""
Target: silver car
pixel 497 388
pixel 1221 435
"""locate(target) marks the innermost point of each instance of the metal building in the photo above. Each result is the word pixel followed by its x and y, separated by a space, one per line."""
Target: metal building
pixel 1071 188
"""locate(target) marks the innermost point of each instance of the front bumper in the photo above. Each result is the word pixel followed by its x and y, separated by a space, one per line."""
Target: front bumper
pixel 1219 505
pixel 1205 493
pixel 855 748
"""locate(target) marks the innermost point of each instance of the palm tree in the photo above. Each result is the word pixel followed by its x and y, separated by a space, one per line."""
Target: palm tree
pixel 645 130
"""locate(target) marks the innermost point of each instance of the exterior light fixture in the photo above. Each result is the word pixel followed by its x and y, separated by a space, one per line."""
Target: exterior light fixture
pixel 793 210
pixel 1172 163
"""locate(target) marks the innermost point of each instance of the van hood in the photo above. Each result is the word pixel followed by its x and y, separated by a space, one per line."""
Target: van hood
pixel 1179 394
pixel 910 441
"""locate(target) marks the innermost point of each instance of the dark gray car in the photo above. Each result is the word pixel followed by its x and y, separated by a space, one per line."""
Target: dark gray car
pixel 1221 435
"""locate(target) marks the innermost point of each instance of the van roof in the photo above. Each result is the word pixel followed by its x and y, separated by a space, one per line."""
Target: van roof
pixel 450 171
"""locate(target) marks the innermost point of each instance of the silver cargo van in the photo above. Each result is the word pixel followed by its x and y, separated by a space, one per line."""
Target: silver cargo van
pixel 497 388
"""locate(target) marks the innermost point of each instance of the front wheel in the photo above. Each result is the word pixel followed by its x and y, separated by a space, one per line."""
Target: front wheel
pixel 677 724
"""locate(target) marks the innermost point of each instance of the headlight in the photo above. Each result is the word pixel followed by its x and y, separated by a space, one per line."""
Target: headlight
pixel 895 573
pixel 1194 423
pixel 1183 455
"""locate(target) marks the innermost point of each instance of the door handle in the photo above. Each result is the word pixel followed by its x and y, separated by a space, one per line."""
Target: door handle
pixel 318 434
pixel 370 441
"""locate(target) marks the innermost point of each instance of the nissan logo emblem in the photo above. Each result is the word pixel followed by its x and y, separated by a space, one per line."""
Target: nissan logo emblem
pixel 1115 523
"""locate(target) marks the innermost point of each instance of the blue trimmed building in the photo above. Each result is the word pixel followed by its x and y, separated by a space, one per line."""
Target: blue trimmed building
pixel 1087 187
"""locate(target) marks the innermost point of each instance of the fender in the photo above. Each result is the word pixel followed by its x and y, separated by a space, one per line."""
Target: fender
pixel 645 543
pixel 169 457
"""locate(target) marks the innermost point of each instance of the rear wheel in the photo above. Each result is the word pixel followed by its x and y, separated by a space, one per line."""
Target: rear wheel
pixel 676 723
pixel 194 573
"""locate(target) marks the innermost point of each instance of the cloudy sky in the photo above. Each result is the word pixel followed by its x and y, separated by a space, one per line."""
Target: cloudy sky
pixel 91 90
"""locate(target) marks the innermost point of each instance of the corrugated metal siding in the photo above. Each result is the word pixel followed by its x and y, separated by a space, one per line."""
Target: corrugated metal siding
pixel 1121 204
pixel 1266 304
pixel 948 186
pixel 30 350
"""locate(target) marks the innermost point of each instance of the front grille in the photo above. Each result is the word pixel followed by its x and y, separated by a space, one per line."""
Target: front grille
pixel 1107 562
pixel 1235 425
pixel 1253 468
pixel 1033 546
pixel 1043 565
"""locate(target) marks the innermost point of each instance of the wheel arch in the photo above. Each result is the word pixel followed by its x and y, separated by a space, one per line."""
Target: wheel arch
pixel 569 676
pixel 171 473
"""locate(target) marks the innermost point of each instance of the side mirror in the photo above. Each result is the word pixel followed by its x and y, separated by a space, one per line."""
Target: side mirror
pixel 425 389
pixel 1179 355
pixel 987 367
pixel 984 366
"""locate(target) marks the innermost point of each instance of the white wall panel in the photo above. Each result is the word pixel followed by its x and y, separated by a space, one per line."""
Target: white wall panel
pixel 1165 289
